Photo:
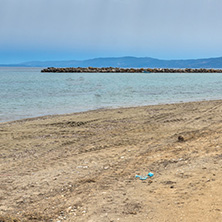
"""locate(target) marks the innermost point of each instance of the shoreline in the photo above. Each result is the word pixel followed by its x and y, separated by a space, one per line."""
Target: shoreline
pixel 83 166
pixel 103 109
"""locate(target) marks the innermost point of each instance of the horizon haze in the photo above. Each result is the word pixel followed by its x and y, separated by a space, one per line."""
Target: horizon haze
pixel 125 62
pixel 53 30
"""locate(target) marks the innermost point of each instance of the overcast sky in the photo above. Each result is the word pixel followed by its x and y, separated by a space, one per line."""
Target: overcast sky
pixel 81 29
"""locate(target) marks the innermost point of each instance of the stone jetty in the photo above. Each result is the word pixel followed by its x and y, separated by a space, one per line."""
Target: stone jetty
pixel 129 70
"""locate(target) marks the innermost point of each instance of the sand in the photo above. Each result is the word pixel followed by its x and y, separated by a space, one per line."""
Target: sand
pixel 82 167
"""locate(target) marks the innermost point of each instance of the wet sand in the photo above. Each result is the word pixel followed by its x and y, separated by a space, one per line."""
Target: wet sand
pixel 82 167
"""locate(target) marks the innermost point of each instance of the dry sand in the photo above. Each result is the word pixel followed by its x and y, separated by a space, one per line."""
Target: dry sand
pixel 82 167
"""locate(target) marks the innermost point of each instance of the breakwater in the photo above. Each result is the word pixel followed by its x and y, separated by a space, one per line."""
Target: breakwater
pixel 129 70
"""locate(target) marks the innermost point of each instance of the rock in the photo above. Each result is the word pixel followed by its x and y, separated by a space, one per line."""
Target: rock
pixel 128 70
pixel 181 139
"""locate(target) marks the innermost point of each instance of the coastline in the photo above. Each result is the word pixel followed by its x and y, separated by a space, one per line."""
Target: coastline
pixel 82 166
pixel 36 94
pixel 47 116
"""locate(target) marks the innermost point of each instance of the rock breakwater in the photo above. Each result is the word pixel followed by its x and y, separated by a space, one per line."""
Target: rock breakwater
pixel 128 70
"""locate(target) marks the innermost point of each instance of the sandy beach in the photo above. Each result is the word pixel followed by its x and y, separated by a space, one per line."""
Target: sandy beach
pixel 82 166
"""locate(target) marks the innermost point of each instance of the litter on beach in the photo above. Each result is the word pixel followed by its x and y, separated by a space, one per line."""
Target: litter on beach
pixel 145 177
pixel 150 174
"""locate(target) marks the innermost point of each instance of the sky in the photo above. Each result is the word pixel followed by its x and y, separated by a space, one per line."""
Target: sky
pixel 47 30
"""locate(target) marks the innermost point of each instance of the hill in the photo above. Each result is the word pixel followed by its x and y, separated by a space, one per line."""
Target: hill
pixel 126 62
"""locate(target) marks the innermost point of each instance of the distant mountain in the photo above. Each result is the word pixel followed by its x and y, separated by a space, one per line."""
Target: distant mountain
pixel 127 62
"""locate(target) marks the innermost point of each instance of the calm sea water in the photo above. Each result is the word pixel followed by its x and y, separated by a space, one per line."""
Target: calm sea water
pixel 26 92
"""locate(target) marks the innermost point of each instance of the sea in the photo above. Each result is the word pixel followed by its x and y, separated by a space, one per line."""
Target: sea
pixel 26 92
